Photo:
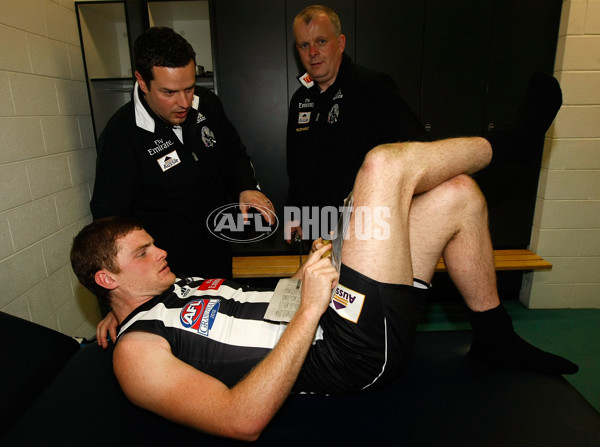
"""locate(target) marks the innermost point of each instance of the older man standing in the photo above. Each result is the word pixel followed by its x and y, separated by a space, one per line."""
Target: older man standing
pixel 340 112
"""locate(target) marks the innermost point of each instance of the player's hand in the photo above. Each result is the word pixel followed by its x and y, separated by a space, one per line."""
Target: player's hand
pixel 318 279
pixel 108 326
pixel 318 244
pixel 314 255
pixel 258 201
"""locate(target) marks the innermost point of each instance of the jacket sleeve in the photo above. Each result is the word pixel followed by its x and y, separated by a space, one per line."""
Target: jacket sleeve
pixel 117 173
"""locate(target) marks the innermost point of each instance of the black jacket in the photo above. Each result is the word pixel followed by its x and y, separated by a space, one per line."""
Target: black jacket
pixel 143 170
pixel 336 129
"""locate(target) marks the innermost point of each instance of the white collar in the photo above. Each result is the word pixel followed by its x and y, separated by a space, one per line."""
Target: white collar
pixel 142 118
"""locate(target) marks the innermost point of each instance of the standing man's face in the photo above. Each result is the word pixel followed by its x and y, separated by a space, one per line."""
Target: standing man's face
pixel 171 92
pixel 320 49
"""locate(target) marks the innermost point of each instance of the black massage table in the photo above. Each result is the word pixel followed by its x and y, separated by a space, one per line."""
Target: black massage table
pixel 444 399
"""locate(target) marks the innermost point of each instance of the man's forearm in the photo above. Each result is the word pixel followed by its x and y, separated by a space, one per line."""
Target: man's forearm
pixel 269 384
pixel 262 392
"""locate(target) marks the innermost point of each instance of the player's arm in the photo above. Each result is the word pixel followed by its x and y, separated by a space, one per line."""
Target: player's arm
pixel 154 379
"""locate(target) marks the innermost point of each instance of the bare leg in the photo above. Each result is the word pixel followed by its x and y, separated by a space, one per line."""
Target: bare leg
pixel 452 219
pixel 447 216
pixel 389 177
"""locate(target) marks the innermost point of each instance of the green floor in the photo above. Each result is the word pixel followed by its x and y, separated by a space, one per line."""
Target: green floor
pixel 572 333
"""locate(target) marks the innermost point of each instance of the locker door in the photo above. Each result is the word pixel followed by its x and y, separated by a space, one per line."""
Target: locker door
pixel 389 39
pixel 455 64
pixel 251 80
pixel 523 42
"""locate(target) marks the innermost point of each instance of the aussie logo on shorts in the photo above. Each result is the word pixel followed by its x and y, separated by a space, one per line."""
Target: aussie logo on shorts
pixel 199 315
pixel 347 303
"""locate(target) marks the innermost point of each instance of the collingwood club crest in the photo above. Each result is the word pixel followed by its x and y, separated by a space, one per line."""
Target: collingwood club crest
pixel 208 137
pixel 334 114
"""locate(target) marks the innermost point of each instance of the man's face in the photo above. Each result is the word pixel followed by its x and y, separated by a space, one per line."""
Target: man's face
pixel 171 92
pixel 319 48
pixel 143 267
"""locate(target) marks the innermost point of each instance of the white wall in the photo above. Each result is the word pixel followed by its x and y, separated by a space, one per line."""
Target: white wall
pixel 47 158
pixel 567 219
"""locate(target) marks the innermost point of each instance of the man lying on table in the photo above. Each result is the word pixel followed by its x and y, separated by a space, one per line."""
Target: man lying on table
pixel 199 352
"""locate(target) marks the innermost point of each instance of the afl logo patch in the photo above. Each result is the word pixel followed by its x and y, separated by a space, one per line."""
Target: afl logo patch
pixel 199 315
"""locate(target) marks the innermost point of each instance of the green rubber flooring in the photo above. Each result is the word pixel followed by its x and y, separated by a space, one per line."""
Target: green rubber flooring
pixel 571 333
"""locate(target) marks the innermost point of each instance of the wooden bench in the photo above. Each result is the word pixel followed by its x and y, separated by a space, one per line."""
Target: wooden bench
pixel 283 266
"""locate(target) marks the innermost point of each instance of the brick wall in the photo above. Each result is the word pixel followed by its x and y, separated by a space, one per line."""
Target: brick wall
pixel 567 219
pixel 47 158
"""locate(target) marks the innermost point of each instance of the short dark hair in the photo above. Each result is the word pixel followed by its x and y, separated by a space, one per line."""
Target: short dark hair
pixel 160 46
pixel 95 248
pixel 309 13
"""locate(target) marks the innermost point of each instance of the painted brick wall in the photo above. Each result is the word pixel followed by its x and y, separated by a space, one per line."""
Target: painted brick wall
pixel 567 219
pixel 47 158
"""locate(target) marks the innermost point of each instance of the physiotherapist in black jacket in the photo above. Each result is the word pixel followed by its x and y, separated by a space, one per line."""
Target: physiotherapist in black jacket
pixel 171 156
pixel 339 113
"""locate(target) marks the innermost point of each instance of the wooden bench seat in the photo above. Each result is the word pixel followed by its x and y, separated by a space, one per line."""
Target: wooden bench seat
pixel 283 266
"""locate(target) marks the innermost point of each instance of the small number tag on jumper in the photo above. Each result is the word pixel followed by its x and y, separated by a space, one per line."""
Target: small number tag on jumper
pixel 285 301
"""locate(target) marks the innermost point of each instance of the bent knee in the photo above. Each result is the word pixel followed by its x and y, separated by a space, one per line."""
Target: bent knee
pixel 463 193
pixel 391 156
pixel 379 156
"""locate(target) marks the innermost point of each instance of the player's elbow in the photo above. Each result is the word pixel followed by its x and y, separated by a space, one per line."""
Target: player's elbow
pixel 250 425
pixel 247 431
pixel 249 437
